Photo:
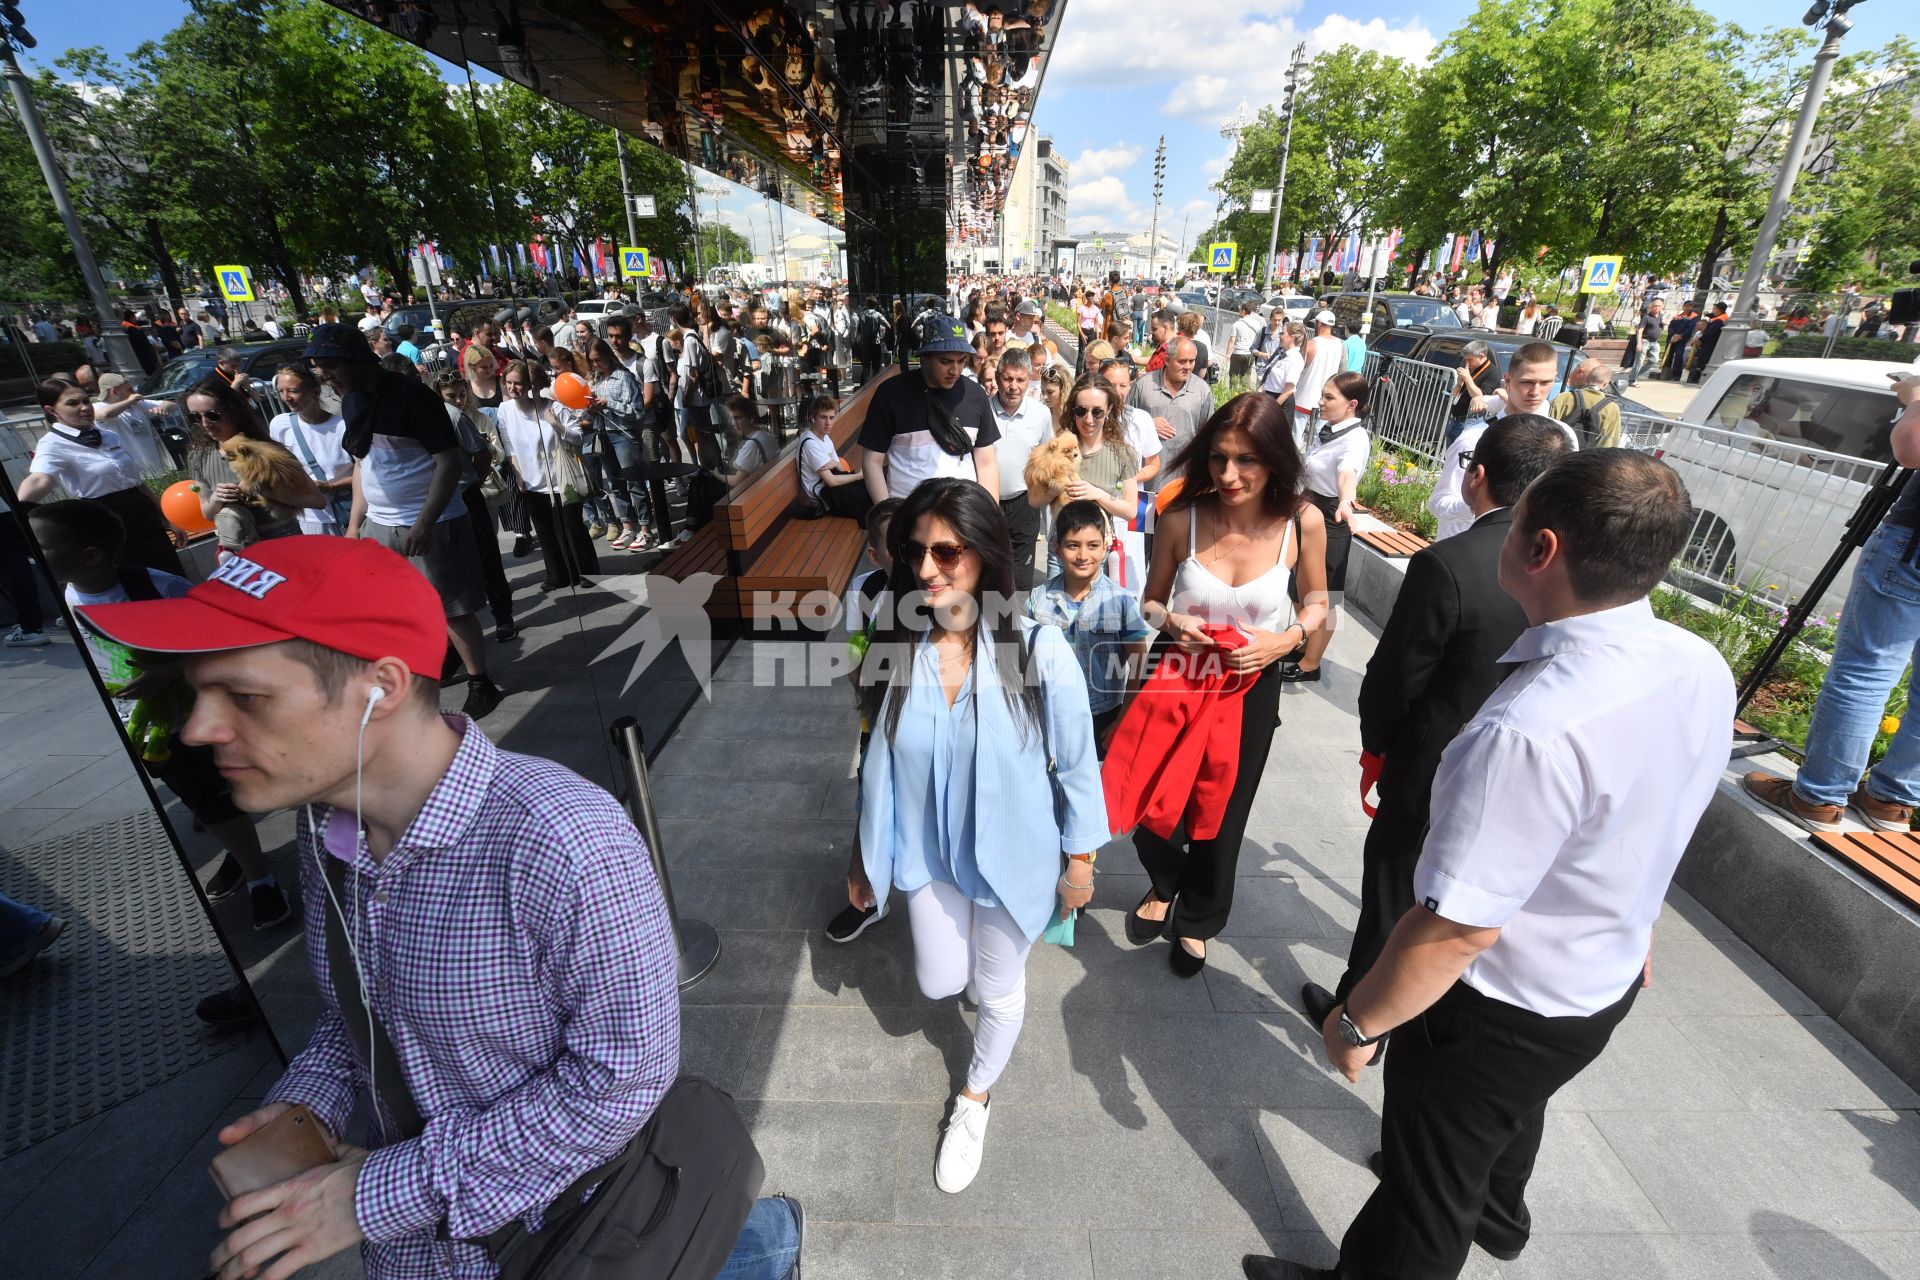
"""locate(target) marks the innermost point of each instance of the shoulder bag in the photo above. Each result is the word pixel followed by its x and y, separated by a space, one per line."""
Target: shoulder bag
pixel 1058 931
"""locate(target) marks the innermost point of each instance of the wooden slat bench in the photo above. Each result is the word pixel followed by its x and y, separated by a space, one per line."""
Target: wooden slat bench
pixel 762 551
pixel 1392 542
pixel 1891 859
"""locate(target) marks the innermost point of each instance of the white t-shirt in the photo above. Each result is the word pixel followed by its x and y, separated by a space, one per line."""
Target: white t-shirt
pixel 395 478
pixel 529 442
pixel 1246 331
pixel 1020 434
pixel 1141 434
pixel 321 449
pixel 138 434
pixel 110 662
pixel 686 391
pixel 1329 459
pixel 815 452
pixel 1283 372
pixel 85 472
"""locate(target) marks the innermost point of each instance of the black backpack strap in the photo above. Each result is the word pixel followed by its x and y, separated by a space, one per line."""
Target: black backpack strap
pixel 138 583
pixel 393 1103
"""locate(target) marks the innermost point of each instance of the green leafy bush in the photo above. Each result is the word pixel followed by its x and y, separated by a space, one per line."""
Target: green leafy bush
pixel 1844 348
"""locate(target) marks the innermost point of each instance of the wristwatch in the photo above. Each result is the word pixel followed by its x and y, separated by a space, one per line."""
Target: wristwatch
pixel 1351 1033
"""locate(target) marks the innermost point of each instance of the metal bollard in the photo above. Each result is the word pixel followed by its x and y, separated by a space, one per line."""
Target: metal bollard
pixel 698 943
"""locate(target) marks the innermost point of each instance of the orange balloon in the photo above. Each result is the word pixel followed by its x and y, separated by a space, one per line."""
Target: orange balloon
pixel 571 390
pixel 1168 492
pixel 181 504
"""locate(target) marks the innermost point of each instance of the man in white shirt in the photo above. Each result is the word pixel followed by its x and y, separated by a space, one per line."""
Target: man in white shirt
pixel 1527 388
pixel 1559 814
pixel 1024 425
pixel 1240 341
pixel 1138 422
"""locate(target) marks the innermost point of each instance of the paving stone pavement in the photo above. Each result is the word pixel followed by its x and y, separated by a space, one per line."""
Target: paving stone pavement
pixel 1149 1127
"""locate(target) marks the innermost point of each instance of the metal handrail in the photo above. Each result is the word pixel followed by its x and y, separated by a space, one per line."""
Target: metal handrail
pixel 696 942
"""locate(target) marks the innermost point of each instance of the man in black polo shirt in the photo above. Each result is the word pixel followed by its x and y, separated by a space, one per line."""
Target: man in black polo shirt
pixel 406 480
pixel 930 422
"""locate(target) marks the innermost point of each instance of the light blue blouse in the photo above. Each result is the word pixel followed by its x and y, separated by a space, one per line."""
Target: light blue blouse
pixel 933 754
pixel 963 794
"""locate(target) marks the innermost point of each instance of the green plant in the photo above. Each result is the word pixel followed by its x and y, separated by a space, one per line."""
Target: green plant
pixel 1814 343
pixel 1395 487
pixel 1062 315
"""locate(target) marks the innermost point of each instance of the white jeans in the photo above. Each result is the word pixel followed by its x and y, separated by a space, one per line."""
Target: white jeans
pixel 954 938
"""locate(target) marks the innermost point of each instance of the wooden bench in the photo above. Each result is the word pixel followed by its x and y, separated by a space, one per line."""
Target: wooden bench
pixel 1891 859
pixel 760 549
pixel 1392 542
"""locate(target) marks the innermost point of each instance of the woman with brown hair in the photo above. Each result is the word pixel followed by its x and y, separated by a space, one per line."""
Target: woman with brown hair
pixel 1224 554
pixel 1336 456
pixel 1108 464
pixel 243 514
pixel 89 461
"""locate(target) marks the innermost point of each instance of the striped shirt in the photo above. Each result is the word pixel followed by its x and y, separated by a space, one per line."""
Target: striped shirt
pixel 515 947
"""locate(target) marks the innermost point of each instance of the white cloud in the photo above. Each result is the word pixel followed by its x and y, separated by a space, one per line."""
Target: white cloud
pixel 1101 203
pixel 1098 162
pixel 1244 53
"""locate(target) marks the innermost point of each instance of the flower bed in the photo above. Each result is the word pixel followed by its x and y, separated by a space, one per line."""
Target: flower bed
pixel 1395 488
pixel 1741 629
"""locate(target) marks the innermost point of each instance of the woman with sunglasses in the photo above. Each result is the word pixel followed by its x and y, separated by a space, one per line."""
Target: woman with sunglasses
pixel 89 461
pixel 1108 464
pixel 1227 550
pixel 980 793
pixel 217 411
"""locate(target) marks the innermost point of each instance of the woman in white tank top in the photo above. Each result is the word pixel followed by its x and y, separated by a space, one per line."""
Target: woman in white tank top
pixel 1224 554
pixel 1324 356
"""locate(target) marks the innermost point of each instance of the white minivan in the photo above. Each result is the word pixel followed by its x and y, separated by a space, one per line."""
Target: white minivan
pixel 1776 454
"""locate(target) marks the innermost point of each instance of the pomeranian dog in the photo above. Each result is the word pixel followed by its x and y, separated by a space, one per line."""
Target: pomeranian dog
pixel 262 468
pixel 1055 464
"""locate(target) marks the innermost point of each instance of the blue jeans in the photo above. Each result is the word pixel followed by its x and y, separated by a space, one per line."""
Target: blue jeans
pixel 767 1246
pixel 1140 329
pixel 1879 635
pixel 597 509
pixel 630 504
pixel 20 924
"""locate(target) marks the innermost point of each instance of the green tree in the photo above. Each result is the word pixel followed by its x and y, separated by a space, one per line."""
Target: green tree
pixel 1863 169
pixel 36 261
pixel 720 244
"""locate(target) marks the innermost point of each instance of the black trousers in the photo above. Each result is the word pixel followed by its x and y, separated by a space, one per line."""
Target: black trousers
pixel 849 500
pixel 1197 875
pixel 1467 1089
pixel 1023 527
pixel 1387 861
pixel 564 546
pixel 487 543
pixel 18 582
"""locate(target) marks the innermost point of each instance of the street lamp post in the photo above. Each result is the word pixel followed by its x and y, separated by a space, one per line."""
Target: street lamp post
pixel 1830 14
pixel 118 345
pixel 1286 146
pixel 1159 185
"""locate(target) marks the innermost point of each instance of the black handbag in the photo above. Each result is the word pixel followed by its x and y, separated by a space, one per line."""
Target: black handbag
pixel 668 1206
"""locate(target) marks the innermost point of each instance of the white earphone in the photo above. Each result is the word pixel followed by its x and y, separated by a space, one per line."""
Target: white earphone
pixel 374 695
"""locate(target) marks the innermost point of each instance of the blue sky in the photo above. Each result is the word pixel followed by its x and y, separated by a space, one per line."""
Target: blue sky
pixel 1124 72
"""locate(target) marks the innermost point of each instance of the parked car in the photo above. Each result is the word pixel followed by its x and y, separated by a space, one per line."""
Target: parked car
pixel 1298 306
pixel 1449 346
pixel 1776 455
pixel 1390 310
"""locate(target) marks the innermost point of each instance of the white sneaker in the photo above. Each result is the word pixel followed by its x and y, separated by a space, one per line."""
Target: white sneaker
pixel 18 639
pixel 682 538
pixel 965 1142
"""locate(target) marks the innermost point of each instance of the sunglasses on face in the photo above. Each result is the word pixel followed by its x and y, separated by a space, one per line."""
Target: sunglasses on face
pixel 1093 411
pixel 210 415
pixel 945 554
pixel 1466 459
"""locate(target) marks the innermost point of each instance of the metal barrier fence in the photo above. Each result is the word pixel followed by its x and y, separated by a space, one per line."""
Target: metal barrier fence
pixel 1411 401
pixel 1767 513
pixel 144 436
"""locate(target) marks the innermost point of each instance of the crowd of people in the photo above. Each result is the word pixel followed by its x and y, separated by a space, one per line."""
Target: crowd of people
pixel 1014 721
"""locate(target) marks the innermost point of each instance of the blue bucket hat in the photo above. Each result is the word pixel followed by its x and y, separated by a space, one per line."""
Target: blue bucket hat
pixel 338 342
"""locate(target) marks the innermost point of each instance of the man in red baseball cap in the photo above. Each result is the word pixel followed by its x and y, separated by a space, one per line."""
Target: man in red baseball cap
pixel 498 918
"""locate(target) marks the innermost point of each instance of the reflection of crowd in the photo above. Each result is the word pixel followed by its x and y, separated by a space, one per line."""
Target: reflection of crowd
pixel 1002 42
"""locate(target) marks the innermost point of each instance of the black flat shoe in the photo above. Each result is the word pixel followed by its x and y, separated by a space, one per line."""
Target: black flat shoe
pixel 1294 654
pixel 1318 1002
pixel 1141 930
pixel 1184 962
pixel 1377 1163
pixel 1294 673
pixel 1255 1267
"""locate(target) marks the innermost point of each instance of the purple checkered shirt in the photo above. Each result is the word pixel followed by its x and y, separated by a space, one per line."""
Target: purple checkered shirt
pixel 515 947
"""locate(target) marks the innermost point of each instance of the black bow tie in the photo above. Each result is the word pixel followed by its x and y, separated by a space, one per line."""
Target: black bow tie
pixel 89 437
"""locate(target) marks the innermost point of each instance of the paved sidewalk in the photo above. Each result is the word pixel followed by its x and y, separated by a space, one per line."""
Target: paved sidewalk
pixel 1149 1127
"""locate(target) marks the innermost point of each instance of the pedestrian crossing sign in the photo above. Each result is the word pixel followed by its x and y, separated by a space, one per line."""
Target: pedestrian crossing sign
pixel 635 264
pixel 236 285
pixel 1220 258
pixel 1600 273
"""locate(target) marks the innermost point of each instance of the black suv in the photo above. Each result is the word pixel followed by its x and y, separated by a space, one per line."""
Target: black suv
pixel 1390 310
pixel 1448 347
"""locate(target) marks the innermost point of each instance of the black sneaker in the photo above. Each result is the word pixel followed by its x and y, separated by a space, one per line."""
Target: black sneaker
pixel 852 922
pixel 270 905
pixel 483 695
pixel 229 1008
pixel 49 934
pixel 227 881
pixel 504 632
pixel 521 545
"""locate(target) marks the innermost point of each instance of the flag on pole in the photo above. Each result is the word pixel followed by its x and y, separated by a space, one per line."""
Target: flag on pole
pixel 579 264
pixel 1313 253
pixel 1459 252
pixel 1473 247
pixel 1354 249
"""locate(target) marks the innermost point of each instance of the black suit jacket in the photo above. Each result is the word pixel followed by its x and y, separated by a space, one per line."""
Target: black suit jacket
pixel 1438 659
